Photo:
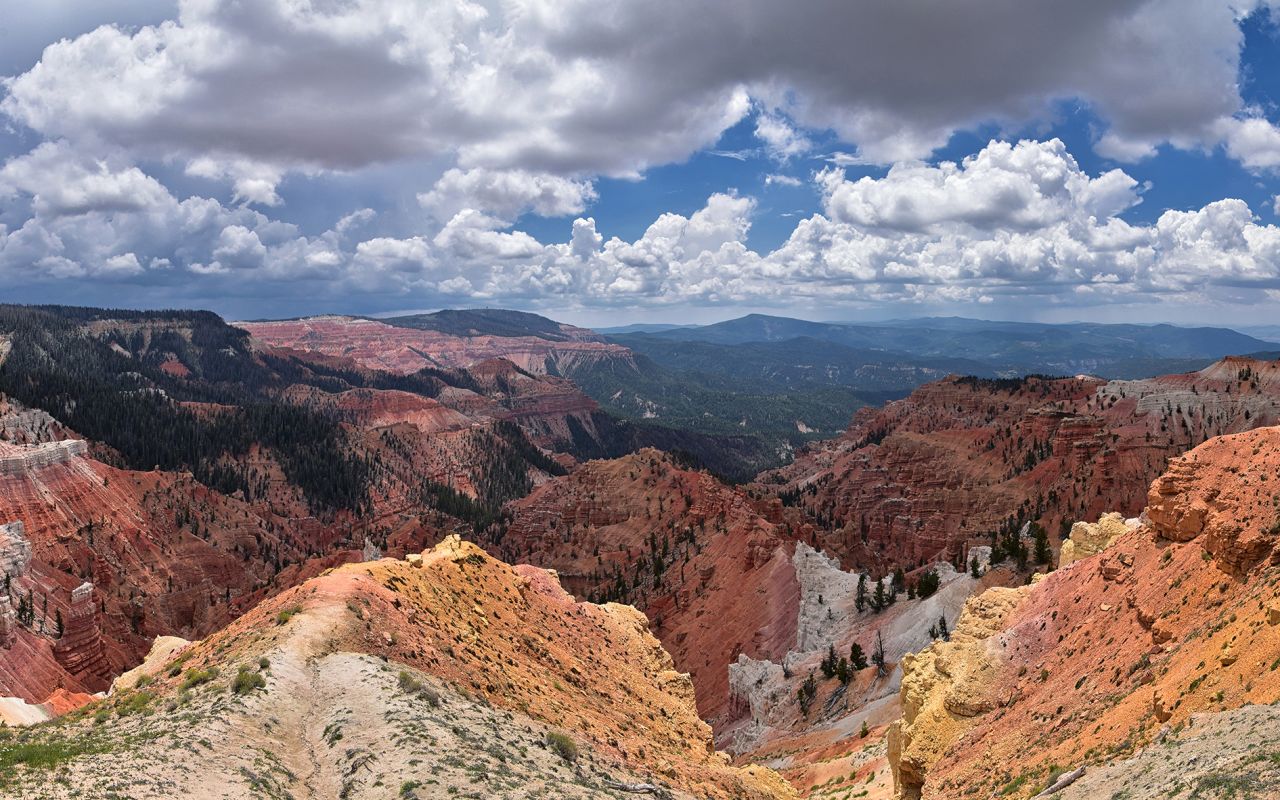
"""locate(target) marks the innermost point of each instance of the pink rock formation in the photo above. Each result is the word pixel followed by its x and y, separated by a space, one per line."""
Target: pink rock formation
pixel 377 345
pixel 932 475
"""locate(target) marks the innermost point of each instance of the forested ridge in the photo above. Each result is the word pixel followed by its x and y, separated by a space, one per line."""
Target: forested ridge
pixel 110 387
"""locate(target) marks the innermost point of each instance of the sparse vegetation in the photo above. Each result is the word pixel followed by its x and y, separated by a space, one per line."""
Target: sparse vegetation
pixel 562 746
pixel 247 680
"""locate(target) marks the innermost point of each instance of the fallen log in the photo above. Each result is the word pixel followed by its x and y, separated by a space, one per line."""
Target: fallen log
pixel 637 788
pixel 1064 780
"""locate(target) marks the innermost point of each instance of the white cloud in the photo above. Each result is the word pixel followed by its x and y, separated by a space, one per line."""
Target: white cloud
pixel 505 194
pixel 1027 186
pixel 520 107
pixel 61 181
pixel 1253 141
pixel 782 141
pixel 782 180
pixel 1018 220
pixel 246 92
pixel 239 248
pixel 253 182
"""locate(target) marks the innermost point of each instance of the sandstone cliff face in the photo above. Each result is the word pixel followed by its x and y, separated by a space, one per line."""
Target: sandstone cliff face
pixel 932 475
pixel 1090 664
pixel 446 673
pixel 945 686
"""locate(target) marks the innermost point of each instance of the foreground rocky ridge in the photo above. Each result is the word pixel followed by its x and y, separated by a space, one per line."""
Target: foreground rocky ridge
pixel 449 673
pixel 1156 638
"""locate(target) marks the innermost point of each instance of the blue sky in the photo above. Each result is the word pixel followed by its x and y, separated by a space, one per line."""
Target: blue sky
pixel 642 162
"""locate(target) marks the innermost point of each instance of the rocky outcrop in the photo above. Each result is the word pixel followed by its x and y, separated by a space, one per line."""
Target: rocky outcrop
pixel 79 649
pixel 946 685
pixel 19 460
pixel 8 622
pixel 15 550
pixel 1089 664
pixel 1090 538
pixel 1219 496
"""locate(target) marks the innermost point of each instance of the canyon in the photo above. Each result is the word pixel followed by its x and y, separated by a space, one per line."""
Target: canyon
pixel 851 623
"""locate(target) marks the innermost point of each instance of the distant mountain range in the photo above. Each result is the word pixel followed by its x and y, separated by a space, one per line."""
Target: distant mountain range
pixel 1006 348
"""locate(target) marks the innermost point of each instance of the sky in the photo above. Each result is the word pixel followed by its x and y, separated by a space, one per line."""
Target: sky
pixel 620 161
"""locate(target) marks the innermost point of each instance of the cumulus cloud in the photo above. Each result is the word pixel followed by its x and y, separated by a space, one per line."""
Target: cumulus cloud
pixel 1253 141
pixel 782 141
pixel 60 181
pixel 506 194
pixel 247 91
pixel 522 107
pixel 1018 219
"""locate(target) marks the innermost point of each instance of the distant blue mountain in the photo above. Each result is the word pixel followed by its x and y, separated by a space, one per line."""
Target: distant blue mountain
pixel 1109 350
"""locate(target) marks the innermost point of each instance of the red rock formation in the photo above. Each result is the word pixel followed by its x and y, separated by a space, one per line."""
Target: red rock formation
pixel 935 473
pixel 79 648
pixel 377 345
pixel 1176 618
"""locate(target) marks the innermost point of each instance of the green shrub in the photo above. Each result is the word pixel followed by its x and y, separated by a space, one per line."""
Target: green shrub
pixel 563 746
pixel 195 677
pixel 133 702
pixel 411 685
pixel 247 680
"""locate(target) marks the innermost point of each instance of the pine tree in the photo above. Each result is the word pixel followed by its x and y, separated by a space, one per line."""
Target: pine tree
pixel 973 567
pixel 861 600
pixel 928 584
pixel 828 665
pixel 877 656
pixel 805 694
pixel 856 657
pixel 942 629
pixel 1043 553
pixel 878 599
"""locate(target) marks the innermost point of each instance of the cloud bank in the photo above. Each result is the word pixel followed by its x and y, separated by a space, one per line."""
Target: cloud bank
pixel 526 105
